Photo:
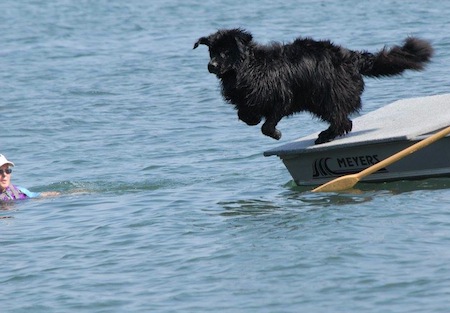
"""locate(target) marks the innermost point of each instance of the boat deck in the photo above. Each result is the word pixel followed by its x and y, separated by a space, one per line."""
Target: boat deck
pixel 405 119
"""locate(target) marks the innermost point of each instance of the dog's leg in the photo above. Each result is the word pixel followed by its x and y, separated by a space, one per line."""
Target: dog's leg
pixel 248 117
pixel 269 127
pixel 335 130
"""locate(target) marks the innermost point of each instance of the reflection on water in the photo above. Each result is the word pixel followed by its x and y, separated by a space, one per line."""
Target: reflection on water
pixel 300 198
pixel 325 199
pixel 403 186
pixel 294 200
pixel 394 187
pixel 248 207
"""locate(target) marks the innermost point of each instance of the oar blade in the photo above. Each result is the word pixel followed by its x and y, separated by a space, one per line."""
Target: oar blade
pixel 338 184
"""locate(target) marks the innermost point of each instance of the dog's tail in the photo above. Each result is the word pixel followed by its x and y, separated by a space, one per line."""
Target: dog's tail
pixel 413 55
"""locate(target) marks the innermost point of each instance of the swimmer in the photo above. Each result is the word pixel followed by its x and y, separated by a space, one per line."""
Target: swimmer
pixel 11 192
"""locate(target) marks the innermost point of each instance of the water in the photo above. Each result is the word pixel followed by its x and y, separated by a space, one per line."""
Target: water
pixel 167 204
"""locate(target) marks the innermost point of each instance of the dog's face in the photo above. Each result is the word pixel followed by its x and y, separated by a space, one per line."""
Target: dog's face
pixel 227 48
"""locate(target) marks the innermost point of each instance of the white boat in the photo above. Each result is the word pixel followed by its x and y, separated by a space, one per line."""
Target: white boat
pixel 376 136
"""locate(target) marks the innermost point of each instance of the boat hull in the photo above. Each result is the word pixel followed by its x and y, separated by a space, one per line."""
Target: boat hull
pixel 316 168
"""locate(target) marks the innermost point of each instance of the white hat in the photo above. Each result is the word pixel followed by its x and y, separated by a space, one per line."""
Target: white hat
pixel 4 161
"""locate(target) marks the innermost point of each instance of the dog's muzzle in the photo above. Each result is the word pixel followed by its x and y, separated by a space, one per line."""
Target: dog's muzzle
pixel 213 68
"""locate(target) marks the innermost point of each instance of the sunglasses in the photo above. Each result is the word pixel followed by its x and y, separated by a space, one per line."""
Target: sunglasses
pixel 6 171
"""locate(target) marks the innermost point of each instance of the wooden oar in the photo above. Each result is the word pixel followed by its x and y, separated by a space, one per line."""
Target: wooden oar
pixel 348 181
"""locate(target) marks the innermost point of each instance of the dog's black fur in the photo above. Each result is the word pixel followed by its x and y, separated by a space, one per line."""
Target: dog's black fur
pixel 277 80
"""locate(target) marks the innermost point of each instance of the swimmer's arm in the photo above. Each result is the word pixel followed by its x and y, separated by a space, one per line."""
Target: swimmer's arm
pixel 49 194
pixel 31 194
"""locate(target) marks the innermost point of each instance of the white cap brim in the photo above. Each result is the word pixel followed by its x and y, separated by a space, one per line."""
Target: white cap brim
pixel 4 160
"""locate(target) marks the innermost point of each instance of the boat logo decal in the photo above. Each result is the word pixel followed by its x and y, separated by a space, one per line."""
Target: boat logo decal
pixel 334 167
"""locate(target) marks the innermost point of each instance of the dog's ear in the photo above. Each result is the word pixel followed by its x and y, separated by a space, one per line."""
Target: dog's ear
pixel 202 41
pixel 243 36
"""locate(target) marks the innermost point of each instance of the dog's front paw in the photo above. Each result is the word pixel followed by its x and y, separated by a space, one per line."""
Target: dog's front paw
pixel 271 131
pixel 276 134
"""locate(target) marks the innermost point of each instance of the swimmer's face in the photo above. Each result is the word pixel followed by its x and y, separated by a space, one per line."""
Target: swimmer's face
pixel 5 178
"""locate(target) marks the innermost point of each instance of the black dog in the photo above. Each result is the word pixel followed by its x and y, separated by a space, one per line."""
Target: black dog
pixel 277 80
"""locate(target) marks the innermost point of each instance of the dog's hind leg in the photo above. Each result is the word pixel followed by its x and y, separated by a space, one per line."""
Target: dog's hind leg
pixel 337 115
pixel 269 127
pixel 342 127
